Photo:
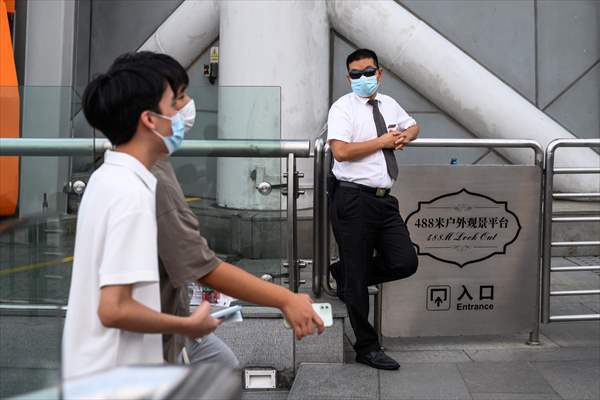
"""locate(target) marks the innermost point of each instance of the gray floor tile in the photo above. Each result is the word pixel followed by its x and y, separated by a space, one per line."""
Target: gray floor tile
pixel 593 304
pixel 536 354
pixel 574 280
pixel 562 262
pixel 569 305
pixel 575 334
pixel 423 381
pixel 334 381
pixel 503 377
pixel 576 380
pixel 516 396
pixel 460 342
pixel 585 260
pixel 265 395
pixel 429 356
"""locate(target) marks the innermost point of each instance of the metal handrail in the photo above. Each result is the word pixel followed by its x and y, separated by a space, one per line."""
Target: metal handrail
pixel 290 149
pixel 207 148
pixel 323 156
pixel 574 292
pixel 317 276
pixel 549 196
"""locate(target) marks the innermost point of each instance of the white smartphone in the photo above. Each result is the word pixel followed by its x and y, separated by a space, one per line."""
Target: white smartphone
pixel 226 312
pixel 323 310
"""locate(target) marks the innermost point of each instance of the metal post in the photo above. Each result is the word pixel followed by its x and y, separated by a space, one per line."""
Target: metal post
pixel 325 230
pixel 292 228
pixel 534 335
pixel 317 273
pixel 547 235
pixel 547 231
pixel 377 311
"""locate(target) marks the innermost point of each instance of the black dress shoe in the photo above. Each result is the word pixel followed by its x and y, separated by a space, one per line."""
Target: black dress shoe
pixel 378 359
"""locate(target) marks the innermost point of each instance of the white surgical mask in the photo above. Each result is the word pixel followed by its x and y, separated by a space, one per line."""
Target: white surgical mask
pixel 188 112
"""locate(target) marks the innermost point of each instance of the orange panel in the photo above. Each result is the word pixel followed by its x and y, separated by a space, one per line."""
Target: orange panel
pixel 9 117
pixel 10 6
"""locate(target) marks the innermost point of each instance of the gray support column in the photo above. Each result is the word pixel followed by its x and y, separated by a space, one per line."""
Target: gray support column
pixel 46 99
pixel 186 33
pixel 456 83
pixel 278 44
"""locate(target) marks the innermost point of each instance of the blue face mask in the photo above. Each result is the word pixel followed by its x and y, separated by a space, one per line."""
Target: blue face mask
pixel 364 86
pixel 174 141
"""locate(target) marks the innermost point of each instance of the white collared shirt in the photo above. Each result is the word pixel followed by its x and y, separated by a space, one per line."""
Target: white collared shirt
pixel 116 244
pixel 351 120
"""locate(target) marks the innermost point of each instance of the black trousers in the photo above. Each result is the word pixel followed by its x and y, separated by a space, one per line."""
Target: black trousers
pixel 362 223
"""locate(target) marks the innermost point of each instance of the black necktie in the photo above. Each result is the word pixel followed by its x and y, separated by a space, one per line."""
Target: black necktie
pixel 390 159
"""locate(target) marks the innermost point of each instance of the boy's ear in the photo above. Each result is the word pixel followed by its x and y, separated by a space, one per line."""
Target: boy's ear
pixel 147 119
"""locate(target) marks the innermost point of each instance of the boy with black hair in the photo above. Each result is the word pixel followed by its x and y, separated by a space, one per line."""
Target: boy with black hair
pixel 192 259
pixel 113 316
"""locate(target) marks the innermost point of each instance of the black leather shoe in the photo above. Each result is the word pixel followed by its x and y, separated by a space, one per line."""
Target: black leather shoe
pixel 378 359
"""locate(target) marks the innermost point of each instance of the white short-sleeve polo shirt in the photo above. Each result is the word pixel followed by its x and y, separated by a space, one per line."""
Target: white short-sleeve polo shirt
pixel 115 244
pixel 351 120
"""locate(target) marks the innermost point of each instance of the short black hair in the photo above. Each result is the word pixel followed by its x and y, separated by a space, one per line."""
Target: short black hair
pixel 166 65
pixel 361 54
pixel 112 102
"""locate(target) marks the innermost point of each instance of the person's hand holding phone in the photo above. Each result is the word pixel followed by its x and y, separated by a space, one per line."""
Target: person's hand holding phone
pixel 301 316
pixel 201 323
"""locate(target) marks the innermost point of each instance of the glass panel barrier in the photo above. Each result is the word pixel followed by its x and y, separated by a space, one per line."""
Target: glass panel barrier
pixel 36 247
pixel 242 225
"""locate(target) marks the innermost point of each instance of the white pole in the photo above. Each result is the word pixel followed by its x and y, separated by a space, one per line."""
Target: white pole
pixel 47 101
pixel 456 83
pixel 273 78
pixel 187 32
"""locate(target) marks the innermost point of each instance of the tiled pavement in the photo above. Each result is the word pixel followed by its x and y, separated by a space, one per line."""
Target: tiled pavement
pixel 493 371
pixel 566 365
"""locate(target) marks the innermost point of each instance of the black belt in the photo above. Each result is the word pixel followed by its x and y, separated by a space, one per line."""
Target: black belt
pixel 379 192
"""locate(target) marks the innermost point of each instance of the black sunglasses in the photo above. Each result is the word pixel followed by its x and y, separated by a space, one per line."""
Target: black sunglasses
pixel 356 73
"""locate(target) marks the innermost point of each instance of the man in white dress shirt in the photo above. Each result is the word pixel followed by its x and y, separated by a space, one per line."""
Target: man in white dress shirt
pixel 364 129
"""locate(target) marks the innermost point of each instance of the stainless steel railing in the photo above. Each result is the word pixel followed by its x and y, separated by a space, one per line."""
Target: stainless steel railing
pixel 549 220
pixel 205 148
pixel 289 149
pixel 292 149
pixel 321 231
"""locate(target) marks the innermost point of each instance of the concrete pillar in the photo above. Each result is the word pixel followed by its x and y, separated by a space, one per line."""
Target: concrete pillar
pixel 188 31
pixel 457 84
pixel 46 111
pixel 274 80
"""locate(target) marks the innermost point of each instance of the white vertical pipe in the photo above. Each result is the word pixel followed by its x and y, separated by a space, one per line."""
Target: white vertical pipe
pixel 266 44
pixel 46 97
pixel 456 83
pixel 187 32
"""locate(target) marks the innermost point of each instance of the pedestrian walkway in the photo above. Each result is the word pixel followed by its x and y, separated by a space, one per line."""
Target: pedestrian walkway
pixel 565 366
